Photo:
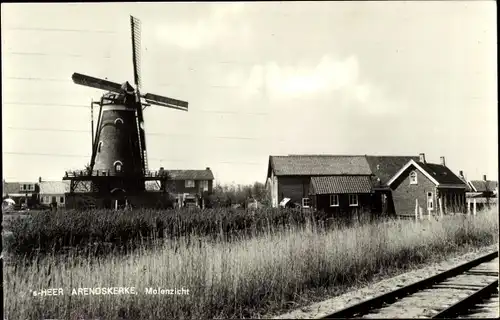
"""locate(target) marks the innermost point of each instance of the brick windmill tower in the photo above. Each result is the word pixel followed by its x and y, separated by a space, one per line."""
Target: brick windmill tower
pixel 119 166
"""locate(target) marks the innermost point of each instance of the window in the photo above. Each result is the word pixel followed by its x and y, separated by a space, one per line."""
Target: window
pixel 118 121
pixel 61 199
pixel 413 177
pixel 99 146
pixel 25 187
pixel 45 199
pixel 334 200
pixel 189 183
pixel 118 166
pixel 430 201
pixel 306 202
pixel 353 200
pixel 204 185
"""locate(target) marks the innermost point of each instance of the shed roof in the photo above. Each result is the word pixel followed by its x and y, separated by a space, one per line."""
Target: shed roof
pixel 483 186
pixel 311 165
pixel 340 184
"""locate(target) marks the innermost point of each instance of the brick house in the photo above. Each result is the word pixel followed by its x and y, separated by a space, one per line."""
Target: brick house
pixel 334 183
pixel 429 187
pixel 188 186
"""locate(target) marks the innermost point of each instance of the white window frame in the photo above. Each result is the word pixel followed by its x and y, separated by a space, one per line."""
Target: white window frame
pixel 189 184
pixel 430 200
pixel 334 203
pixel 303 203
pixel 353 203
pixel 204 185
pixel 413 177
pixel 118 163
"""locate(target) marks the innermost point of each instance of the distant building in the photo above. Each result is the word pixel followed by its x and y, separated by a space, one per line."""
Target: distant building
pixel 53 192
pixel 189 186
pixel 345 184
pixel 340 184
pixel 428 188
pixel 23 193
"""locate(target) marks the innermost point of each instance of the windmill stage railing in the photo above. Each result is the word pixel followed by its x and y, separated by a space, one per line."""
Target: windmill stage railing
pixel 111 173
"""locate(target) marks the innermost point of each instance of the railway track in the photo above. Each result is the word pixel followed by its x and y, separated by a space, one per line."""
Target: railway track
pixel 467 291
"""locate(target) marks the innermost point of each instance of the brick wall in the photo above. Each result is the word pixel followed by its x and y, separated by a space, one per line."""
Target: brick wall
pixel 404 193
pixel 119 142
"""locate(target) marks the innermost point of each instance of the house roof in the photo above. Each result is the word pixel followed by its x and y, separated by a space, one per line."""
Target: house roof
pixel 440 175
pixel 483 186
pixel 190 174
pixel 311 165
pixel 11 187
pixel 340 184
pixel 54 187
pixel 385 167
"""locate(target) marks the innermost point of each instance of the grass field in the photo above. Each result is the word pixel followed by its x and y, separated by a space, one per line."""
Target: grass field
pixel 268 272
pixel 52 232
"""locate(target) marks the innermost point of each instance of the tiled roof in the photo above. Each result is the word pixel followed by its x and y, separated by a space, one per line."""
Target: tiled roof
pixel 190 174
pixel 11 187
pixel 385 167
pixel 483 186
pixel 441 174
pixel 311 165
pixel 54 187
pixel 468 188
pixel 341 184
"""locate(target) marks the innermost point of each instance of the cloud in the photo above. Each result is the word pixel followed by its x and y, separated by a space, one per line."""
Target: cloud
pixel 301 80
pixel 223 21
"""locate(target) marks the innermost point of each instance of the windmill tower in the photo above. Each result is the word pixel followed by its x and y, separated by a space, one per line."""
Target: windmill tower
pixel 119 161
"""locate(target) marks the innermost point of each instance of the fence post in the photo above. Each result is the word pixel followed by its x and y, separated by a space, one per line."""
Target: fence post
pixel 475 207
pixel 440 207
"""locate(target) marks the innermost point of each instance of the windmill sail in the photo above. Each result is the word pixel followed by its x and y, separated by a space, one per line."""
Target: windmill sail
pixel 97 83
pixel 135 25
pixel 165 101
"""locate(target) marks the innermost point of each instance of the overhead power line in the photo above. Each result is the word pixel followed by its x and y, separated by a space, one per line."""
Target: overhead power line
pixel 35 104
pixel 62 155
pixel 17 28
pixel 148 134
pixel 74 55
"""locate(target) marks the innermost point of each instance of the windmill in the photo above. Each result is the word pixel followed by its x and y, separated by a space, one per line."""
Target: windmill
pixel 119 143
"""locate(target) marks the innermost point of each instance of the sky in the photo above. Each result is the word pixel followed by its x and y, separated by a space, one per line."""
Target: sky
pixel 261 79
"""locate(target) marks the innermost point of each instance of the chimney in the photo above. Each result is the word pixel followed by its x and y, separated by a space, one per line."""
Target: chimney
pixel 443 163
pixel 461 173
pixel 484 177
pixel 39 179
pixel 422 157
pixel 208 168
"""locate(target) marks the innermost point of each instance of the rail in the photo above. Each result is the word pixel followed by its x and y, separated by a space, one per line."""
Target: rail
pixel 366 306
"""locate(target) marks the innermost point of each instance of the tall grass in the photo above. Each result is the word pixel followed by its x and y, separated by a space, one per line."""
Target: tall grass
pixel 247 278
pixel 49 232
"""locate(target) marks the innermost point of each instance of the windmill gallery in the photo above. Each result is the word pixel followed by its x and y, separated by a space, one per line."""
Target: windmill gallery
pixel 118 169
